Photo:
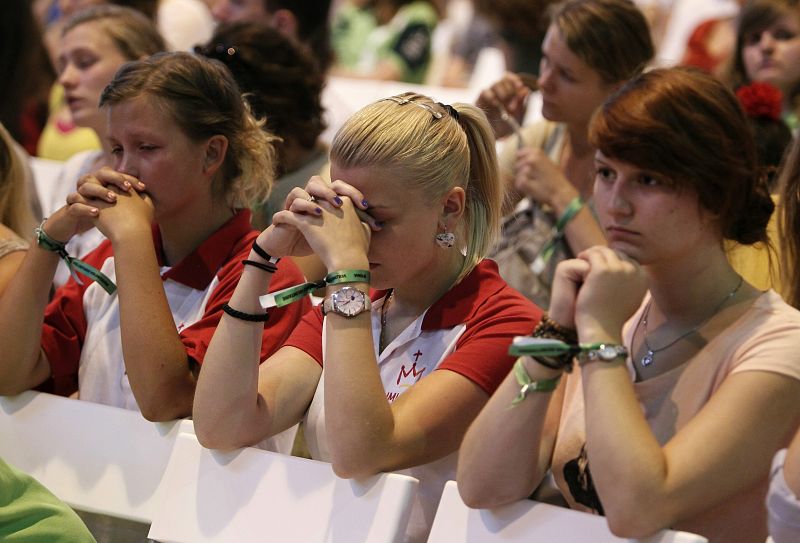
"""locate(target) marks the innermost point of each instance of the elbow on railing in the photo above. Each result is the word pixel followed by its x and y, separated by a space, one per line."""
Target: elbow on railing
pixel 352 469
pixel 480 496
pixel 213 433
pixel 155 413
pixel 635 522
pixel 213 440
pixel 162 406
pixel 11 388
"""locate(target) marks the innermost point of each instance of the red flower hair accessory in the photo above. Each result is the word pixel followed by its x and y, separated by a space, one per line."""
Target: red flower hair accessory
pixel 761 100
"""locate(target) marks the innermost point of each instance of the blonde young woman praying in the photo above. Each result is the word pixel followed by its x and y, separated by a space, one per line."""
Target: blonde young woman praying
pixel 390 370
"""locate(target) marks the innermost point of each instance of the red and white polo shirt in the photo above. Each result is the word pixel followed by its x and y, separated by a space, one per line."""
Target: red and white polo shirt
pixel 81 332
pixel 467 331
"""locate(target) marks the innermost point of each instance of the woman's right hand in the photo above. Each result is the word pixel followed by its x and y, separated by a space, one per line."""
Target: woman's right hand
pixel 509 93
pixel 283 239
pixel 611 293
pixel 107 177
pixel 83 206
pixel 95 191
pixel 567 282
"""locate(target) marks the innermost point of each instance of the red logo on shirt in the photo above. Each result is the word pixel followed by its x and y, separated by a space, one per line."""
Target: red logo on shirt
pixel 412 372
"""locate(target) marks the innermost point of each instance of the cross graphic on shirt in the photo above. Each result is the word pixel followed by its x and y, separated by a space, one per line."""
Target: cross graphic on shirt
pixel 416 355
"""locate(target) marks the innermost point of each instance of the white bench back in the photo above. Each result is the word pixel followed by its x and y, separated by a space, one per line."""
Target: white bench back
pixel 528 521
pixel 253 495
pixel 95 457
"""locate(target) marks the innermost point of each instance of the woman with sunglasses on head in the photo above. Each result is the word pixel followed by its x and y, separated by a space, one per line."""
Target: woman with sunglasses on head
pixel 591 47
pixel 385 379
pixel 677 402
pixel 132 327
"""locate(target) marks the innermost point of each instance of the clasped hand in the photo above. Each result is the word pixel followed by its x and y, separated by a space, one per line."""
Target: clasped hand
pixel 596 293
pixel 330 220
pixel 112 201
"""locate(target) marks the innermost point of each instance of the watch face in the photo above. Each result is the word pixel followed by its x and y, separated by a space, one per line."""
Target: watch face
pixel 607 353
pixel 348 301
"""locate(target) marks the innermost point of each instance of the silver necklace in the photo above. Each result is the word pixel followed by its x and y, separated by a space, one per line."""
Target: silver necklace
pixel 647 359
pixel 382 335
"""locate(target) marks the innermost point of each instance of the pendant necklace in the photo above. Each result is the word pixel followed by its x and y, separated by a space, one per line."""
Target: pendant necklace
pixel 382 335
pixel 649 356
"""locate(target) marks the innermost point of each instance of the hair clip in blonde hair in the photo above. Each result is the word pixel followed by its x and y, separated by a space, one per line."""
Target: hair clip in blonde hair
pixel 403 101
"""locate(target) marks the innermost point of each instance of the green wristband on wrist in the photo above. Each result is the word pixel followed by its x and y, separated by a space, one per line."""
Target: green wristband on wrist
pixel 526 385
pixel 73 264
pixel 347 276
pixel 292 294
pixel 573 208
pixel 585 352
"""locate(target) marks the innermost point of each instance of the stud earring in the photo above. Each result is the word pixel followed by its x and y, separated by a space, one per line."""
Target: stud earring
pixel 446 239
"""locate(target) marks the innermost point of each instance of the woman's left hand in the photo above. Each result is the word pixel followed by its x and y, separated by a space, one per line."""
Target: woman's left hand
pixel 538 177
pixel 333 221
pixel 612 291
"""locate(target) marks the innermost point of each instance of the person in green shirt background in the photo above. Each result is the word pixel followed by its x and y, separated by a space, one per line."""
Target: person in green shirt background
pixel 396 48
pixel 29 513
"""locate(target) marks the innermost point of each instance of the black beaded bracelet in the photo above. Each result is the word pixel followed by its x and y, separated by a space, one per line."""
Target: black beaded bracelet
pixel 556 362
pixel 241 315
pixel 263 254
pixel 268 267
pixel 550 329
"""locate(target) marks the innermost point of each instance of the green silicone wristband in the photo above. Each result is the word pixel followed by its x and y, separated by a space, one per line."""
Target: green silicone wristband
pixel 574 206
pixel 347 276
pixel 73 264
pixel 526 385
pixel 292 294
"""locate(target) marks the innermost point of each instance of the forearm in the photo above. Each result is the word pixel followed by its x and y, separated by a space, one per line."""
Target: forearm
pixel 582 231
pixel 9 264
pixel 22 307
pixel 155 359
pixel 358 417
pixel 487 479
pixel 227 405
pixel 629 467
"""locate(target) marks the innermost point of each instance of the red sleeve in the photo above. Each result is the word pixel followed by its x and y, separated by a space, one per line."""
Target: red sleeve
pixel 64 328
pixel 308 335
pixel 281 321
pixel 697 53
pixel 481 353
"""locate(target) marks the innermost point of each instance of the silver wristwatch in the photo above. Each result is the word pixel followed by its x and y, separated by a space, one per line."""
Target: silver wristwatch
pixel 347 302
pixel 604 353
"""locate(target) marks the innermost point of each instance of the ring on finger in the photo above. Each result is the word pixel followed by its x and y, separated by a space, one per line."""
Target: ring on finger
pixel 311 199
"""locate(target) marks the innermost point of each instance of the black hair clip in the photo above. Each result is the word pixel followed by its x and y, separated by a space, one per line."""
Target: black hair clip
pixel 451 110
pixel 219 51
